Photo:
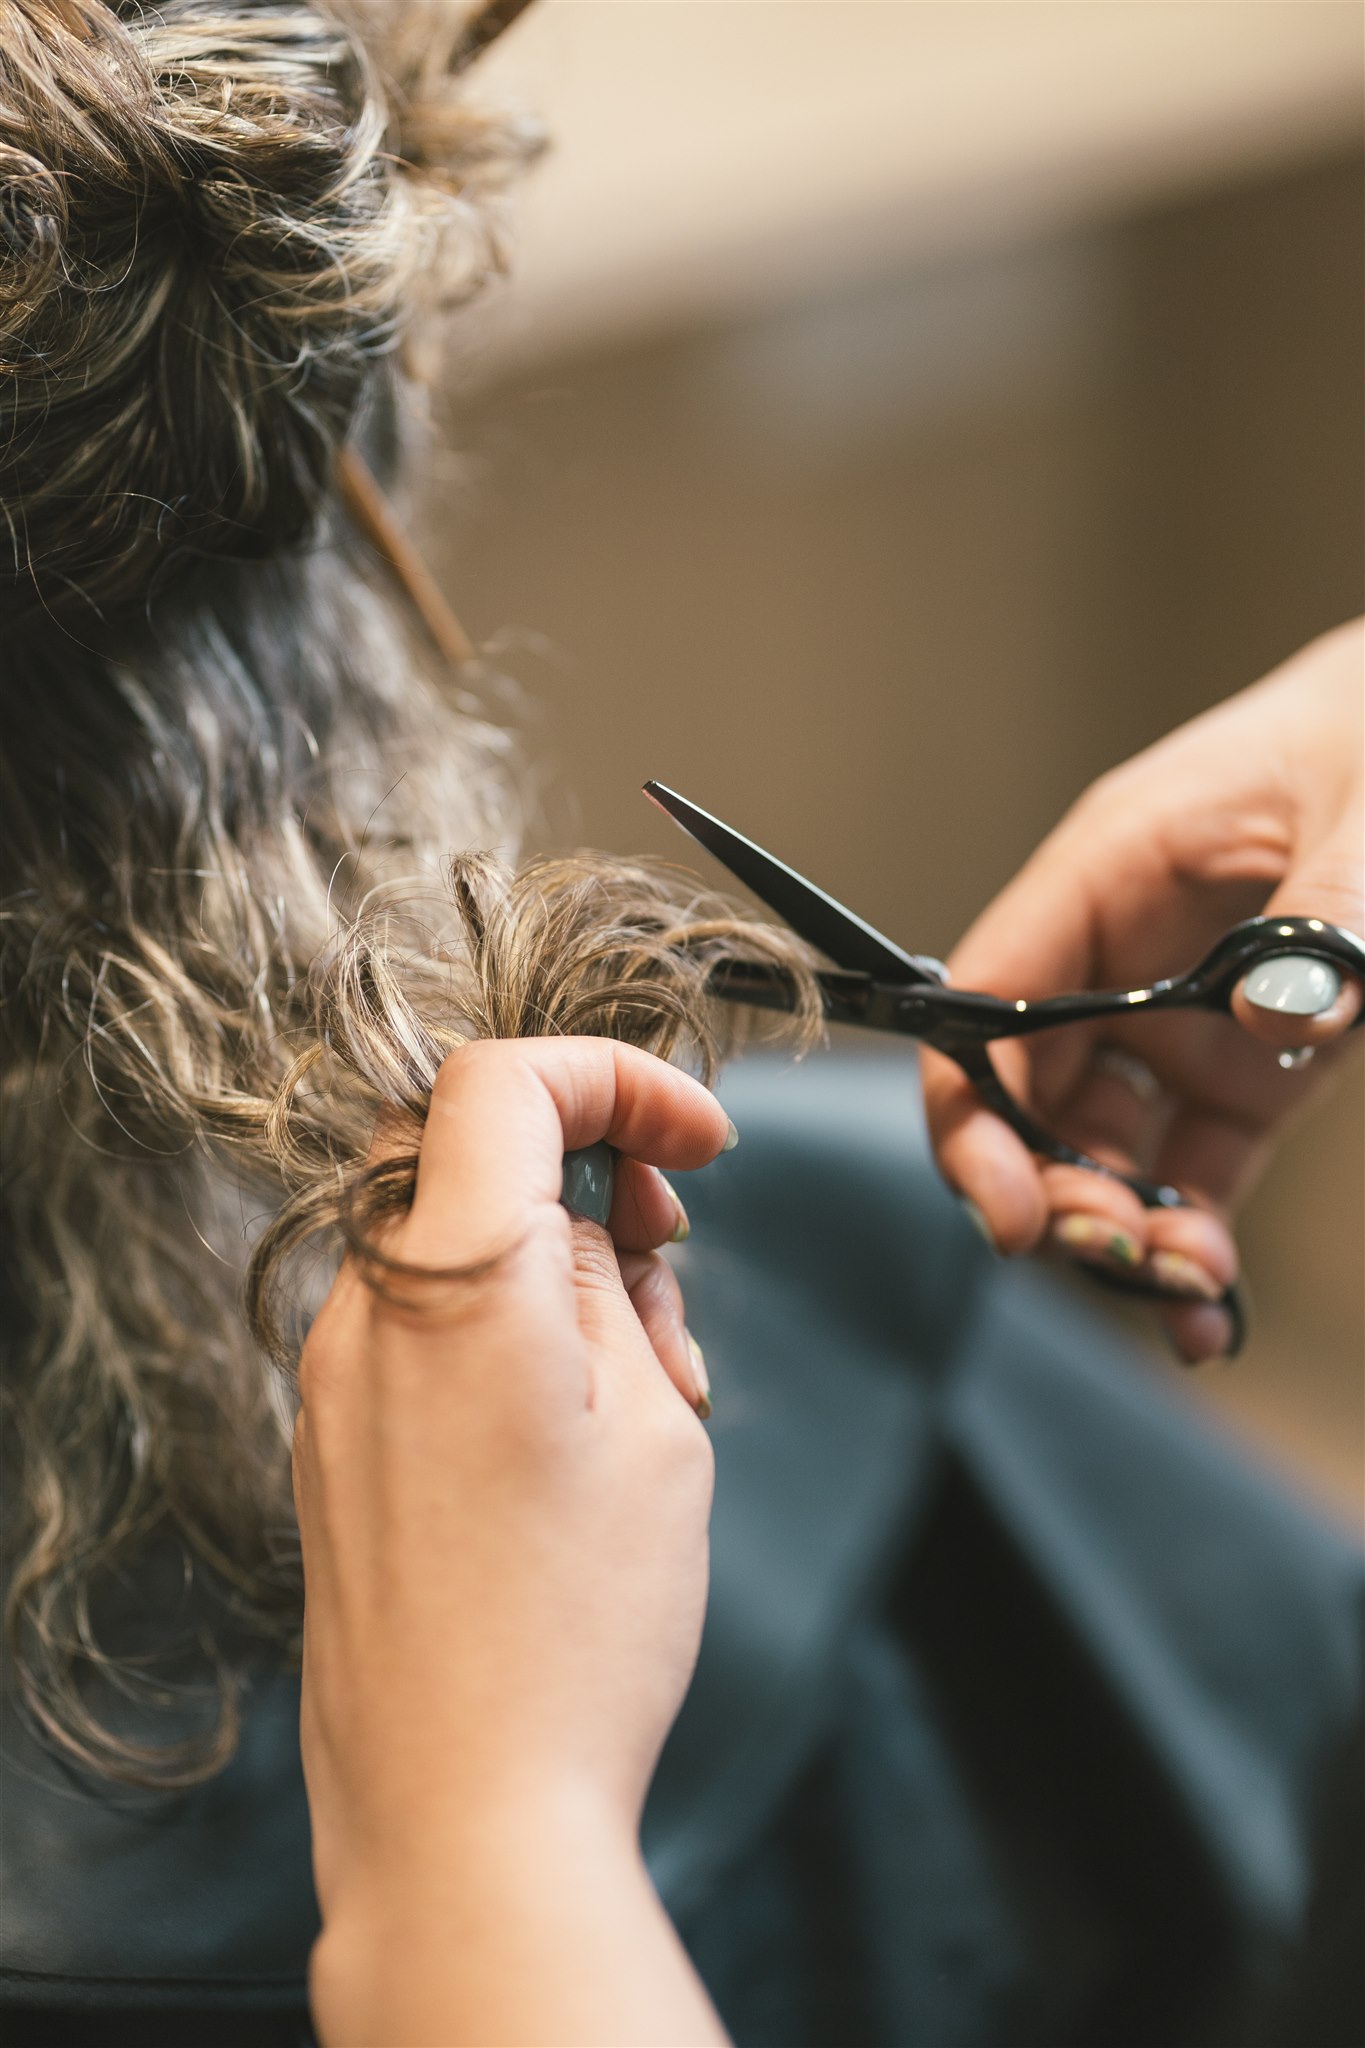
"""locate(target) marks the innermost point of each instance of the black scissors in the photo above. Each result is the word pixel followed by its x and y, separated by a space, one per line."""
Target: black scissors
pixel 878 985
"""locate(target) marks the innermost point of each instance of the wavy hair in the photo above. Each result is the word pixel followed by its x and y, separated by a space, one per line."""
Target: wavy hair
pixel 232 932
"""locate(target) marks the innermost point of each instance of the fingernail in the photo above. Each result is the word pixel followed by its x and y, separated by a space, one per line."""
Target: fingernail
pixel 1293 984
pixel 731 1138
pixel 1094 1237
pixel 682 1229
pixel 702 1404
pixel 1179 1275
pixel 978 1221
pixel 1209 1335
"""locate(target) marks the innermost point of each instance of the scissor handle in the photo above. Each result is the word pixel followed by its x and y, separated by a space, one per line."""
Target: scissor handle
pixel 963 1023
pixel 953 1019
pixel 1211 985
pixel 856 999
pixel 963 1027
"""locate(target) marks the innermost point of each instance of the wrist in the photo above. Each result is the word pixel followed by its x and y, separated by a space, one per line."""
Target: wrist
pixel 436 1855
pixel 414 1933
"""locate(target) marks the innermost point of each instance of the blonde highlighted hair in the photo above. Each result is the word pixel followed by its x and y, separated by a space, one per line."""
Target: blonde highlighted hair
pixel 231 929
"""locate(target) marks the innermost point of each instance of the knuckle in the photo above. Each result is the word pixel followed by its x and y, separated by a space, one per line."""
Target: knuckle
pixel 1093 797
pixel 462 1061
pixel 1095 808
pixel 485 1057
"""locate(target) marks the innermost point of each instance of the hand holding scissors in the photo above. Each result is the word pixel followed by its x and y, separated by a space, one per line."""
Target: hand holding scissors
pixel 877 984
pixel 1257 805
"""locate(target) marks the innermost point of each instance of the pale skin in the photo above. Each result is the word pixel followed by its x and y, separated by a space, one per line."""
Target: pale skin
pixel 503 1487
pixel 503 1491
pixel 1257 806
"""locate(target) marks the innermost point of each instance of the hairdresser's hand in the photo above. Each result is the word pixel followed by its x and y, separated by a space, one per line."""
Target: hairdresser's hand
pixel 1256 806
pixel 503 1497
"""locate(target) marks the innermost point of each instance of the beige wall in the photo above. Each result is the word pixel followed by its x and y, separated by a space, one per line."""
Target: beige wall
pixel 886 576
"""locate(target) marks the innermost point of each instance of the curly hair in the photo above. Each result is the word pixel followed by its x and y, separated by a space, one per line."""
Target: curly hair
pixel 216 219
pixel 231 930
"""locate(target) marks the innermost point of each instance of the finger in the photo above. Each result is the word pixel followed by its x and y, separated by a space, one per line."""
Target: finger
pixel 1190 1252
pixel 1034 939
pixel 1199 1332
pixel 1039 935
pixel 1095 1219
pixel 981 1158
pixel 1117 1110
pixel 1116 1113
pixel 622 1350
pixel 1190 1257
pixel 502 1114
pixel 654 1294
pixel 646 1209
pixel 1213 1155
pixel 1292 999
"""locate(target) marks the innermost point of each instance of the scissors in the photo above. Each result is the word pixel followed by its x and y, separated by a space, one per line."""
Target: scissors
pixel 878 985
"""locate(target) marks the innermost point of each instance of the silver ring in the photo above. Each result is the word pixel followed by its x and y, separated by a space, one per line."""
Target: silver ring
pixel 1121 1065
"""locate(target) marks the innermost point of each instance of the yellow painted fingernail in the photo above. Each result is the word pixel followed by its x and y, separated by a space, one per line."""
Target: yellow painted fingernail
pixel 682 1228
pixel 702 1404
pixel 1094 1237
pixel 1173 1271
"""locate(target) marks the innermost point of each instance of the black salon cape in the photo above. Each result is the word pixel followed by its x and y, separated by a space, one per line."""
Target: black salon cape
pixel 1028 1713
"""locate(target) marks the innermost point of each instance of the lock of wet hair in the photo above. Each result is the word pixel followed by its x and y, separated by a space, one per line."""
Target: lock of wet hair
pixel 248 892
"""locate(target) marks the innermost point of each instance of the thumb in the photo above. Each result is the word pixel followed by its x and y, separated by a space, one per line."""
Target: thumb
pixel 1293 999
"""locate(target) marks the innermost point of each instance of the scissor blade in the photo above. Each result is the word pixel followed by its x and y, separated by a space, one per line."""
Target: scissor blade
pixel 812 915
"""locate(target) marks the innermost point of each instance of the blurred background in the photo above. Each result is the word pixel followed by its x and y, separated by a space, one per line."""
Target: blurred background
pixel 902 411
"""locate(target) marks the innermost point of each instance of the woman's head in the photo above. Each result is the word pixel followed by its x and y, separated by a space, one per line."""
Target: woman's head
pixel 218 735
pixel 231 781
pixel 219 216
